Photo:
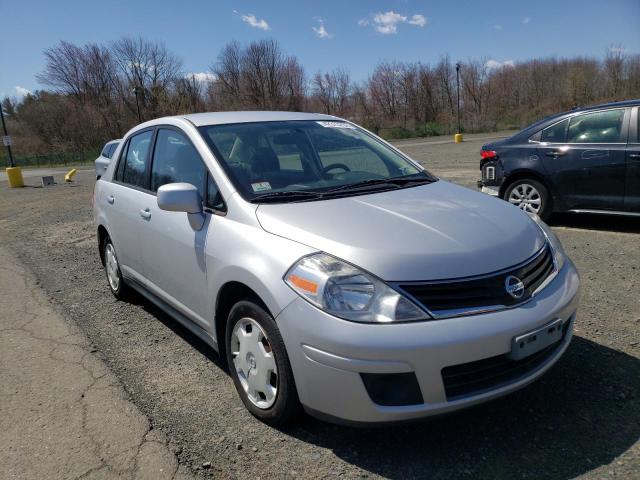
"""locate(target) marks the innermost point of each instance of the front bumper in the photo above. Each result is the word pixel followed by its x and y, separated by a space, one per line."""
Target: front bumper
pixel 328 355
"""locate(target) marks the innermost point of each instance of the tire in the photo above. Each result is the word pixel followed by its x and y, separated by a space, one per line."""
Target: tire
pixel 114 276
pixel 259 366
pixel 530 196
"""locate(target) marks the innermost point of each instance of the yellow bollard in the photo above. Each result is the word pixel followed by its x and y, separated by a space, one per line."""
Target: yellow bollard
pixel 457 138
pixel 70 174
pixel 14 175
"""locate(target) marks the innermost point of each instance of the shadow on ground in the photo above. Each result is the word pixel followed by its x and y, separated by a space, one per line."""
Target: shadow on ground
pixel 579 416
pixel 609 223
pixel 582 414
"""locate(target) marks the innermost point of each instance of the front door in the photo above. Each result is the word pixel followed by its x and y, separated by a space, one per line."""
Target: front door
pixel 632 190
pixel 588 168
pixel 173 252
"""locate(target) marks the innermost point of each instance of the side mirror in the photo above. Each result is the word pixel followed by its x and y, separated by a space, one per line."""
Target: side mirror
pixel 182 197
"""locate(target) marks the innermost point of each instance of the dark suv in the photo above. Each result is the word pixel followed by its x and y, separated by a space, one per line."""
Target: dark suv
pixel 585 160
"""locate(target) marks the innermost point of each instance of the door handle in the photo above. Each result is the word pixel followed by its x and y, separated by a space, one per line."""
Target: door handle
pixel 111 199
pixel 556 153
pixel 634 156
pixel 146 214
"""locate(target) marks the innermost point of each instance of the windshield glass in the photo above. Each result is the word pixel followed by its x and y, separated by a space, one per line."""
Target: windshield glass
pixel 276 159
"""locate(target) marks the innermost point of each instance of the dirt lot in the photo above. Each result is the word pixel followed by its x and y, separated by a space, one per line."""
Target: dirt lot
pixel 581 420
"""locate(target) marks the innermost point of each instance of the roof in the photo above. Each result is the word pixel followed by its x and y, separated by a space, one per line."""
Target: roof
pixel 220 118
pixel 624 103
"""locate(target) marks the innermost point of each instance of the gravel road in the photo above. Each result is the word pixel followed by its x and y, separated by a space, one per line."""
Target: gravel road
pixel 581 420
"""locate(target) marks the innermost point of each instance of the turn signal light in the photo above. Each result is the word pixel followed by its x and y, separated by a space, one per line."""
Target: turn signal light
pixel 488 154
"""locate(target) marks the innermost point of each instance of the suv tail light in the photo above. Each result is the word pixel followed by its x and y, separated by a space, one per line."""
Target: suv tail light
pixel 487 154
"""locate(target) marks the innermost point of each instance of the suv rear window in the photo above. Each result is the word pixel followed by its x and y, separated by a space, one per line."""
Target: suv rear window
pixel 106 151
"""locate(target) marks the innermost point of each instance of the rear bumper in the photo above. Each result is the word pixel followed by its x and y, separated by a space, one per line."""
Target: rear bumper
pixel 493 190
pixel 329 355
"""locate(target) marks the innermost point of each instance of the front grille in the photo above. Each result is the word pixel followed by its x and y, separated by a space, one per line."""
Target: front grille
pixel 482 375
pixel 459 296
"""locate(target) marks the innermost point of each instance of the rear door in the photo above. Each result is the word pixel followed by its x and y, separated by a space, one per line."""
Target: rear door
pixel 584 156
pixel 632 190
pixel 125 198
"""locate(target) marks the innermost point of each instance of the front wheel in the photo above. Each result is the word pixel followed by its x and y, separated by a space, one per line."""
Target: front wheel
pixel 529 195
pixel 259 364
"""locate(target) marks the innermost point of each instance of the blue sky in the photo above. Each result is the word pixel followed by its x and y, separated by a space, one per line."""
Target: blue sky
pixel 354 34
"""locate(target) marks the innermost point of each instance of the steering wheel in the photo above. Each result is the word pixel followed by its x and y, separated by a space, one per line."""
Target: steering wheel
pixel 336 165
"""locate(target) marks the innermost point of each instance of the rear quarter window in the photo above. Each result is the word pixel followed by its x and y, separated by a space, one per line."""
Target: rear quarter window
pixel 555 133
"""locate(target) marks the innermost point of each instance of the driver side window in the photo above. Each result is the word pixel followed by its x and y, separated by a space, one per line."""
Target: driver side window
pixel 175 159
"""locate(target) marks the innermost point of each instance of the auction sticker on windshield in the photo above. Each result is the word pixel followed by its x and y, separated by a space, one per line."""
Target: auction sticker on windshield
pixel 261 186
pixel 336 125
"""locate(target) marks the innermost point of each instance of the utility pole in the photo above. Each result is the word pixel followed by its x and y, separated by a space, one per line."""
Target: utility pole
pixel 135 92
pixel 8 142
pixel 458 88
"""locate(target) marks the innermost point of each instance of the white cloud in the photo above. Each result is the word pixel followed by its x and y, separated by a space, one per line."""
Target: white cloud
pixel 22 92
pixel 201 77
pixel 497 27
pixel 495 64
pixel 526 20
pixel 321 32
pixel 252 20
pixel 387 23
pixel 419 20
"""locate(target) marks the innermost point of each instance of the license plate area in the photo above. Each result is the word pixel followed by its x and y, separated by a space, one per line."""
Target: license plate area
pixel 531 342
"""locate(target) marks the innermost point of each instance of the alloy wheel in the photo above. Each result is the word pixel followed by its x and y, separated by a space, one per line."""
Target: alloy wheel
pixel 526 197
pixel 254 363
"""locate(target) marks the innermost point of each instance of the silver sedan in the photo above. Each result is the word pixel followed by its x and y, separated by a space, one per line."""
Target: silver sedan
pixel 333 273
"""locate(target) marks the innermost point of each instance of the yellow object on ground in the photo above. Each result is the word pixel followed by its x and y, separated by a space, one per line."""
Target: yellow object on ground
pixel 14 175
pixel 70 174
pixel 457 138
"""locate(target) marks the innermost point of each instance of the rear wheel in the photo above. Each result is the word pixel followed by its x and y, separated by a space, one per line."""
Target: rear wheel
pixel 529 195
pixel 112 268
pixel 259 364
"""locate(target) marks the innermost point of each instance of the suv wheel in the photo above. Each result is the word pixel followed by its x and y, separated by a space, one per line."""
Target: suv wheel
pixel 529 195
pixel 112 269
pixel 259 364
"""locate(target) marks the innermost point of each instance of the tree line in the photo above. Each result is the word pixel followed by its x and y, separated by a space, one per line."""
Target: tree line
pixel 93 92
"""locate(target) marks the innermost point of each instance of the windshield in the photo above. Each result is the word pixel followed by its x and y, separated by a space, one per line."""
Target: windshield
pixel 303 160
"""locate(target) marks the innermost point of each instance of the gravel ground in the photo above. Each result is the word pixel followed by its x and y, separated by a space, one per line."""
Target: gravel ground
pixel 582 419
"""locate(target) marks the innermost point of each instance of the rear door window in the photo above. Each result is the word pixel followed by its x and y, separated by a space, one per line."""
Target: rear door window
pixel 596 127
pixel 555 133
pixel 136 160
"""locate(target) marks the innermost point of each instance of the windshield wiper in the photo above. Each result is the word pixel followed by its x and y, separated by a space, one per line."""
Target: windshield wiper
pixel 286 195
pixel 392 182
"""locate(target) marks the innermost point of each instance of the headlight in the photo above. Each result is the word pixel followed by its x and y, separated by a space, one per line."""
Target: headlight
pixel 346 292
pixel 556 247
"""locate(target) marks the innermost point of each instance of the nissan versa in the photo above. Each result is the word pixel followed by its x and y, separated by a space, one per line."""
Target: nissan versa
pixel 332 272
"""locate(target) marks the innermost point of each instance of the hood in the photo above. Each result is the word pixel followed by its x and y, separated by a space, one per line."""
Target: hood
pixel 434 231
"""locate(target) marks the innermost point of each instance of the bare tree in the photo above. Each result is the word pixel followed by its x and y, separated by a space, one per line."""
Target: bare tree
pixel 259 76
pixel 332 91
pixel 148 66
